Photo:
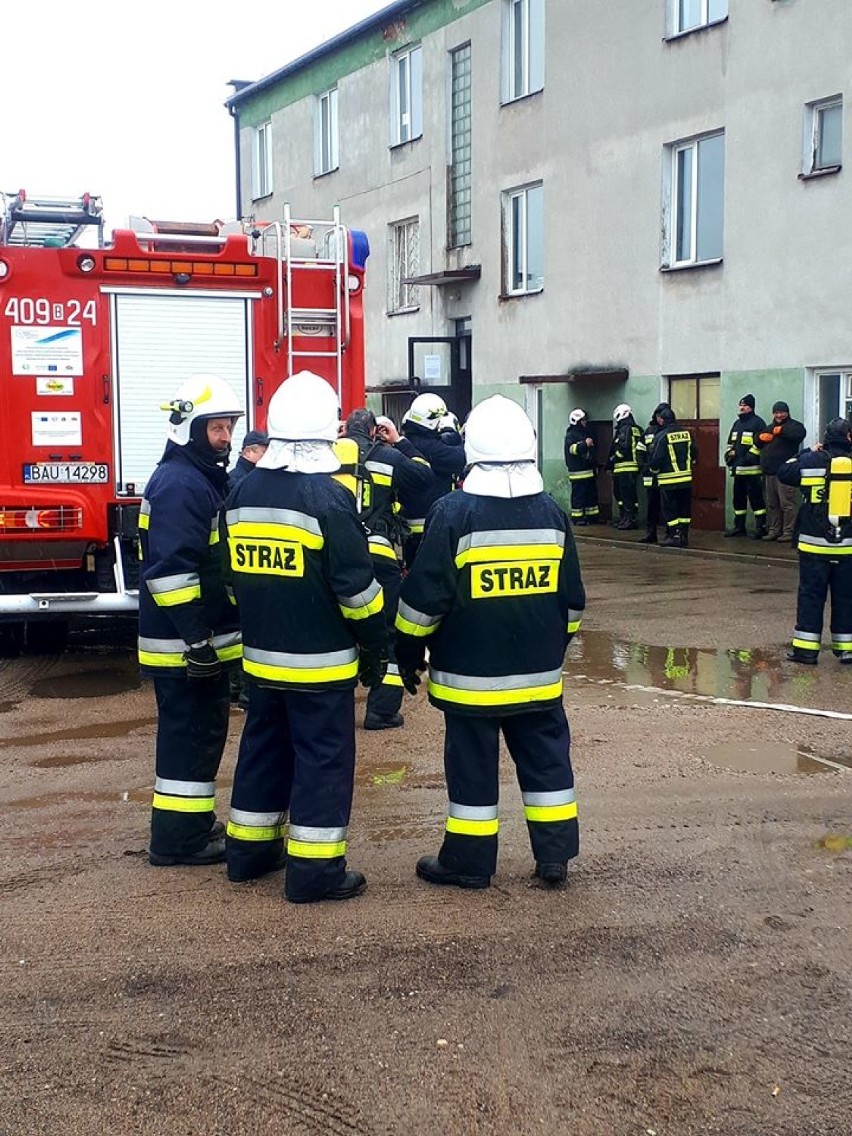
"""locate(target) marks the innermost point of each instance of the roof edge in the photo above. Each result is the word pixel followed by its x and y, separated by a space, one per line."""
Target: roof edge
pixel 390 12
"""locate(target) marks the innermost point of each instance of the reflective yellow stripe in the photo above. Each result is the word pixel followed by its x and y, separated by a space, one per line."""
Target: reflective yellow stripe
pixel 473 827
pixel 574 626
pixel 416 629
pixel 496 697
pixel 391 680
pixel 178 596
pixel 226 654
pixel 416 526
pixel 161 659
pixel 214 537
pixel 375 605
pixel 310 851
pixel 377 549
pixel 380 478
pixel 184 804
pixel 250 832
pixel 550 812
pixel 275 532
pixel 824 549
pixel 480 553
pixel 144 521
pixel 300 674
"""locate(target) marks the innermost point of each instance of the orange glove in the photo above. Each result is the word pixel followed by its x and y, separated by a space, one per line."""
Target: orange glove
pixel 765 437
pixel 777 429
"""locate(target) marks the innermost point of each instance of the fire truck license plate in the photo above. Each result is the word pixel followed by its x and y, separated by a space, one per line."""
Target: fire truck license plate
pixel 78 473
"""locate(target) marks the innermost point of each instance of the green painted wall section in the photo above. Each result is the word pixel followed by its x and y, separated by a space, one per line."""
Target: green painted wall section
pixel 767 387
pixel 368 48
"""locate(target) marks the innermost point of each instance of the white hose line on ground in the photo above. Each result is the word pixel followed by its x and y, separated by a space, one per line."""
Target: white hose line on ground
pixel 717 701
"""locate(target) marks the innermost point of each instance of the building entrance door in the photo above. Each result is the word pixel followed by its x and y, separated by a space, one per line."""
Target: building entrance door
pixel 695 399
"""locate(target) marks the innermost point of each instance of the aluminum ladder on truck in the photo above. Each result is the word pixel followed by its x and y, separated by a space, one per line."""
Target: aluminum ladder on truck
pixel 52 222
pixel 332 258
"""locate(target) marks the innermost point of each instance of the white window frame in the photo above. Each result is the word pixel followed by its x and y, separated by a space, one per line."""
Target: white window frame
pixel 816 415
pixel 707 18
pixel 671 193
pixel 403 261
pixel 524 20
pixel 262 161
pixel 813 130
pixel 326 133
pixel 519 194
pixel 406 95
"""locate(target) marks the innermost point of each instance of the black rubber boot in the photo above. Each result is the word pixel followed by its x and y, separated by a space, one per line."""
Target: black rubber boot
pixel 810 659
pixel 554 875
pixel 650 537
pixel 352 884
pixel 673 540
pixel 737 530
pixel 431 869
pixel 684 536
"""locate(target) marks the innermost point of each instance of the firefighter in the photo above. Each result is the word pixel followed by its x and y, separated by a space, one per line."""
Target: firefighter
pixel 624 462
pixel 188 630
pixel 425 426
pixel 496 595
pixel 824 475
pixel 742 457
pixel 671 462
pixel 580 461
pixel 254 447
pixel 649 480
pixel 312 620
pixel 390 466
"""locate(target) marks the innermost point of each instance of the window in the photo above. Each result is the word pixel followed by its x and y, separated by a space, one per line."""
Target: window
pixel 523 48
pixel 523 223
pixel 460 142
pixel 823 135
pixel 833 390
pixel 695 397
pixel 689 14
pixel 262 161
pixel 326 157
pixel 695 191
pixel 403 261
pixel 406 95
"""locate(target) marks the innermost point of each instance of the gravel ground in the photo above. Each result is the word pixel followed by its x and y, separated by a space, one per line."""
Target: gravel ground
pixel 694 976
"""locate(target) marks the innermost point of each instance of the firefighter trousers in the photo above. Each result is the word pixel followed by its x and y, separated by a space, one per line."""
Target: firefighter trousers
pixel 192 727
pixel 818 576
pixel 748 490
pixel 584 498
pixel 297 755
pixel 624 488
pixel 539 743
pixel 652 506
pixel 385 700
pixel 676 505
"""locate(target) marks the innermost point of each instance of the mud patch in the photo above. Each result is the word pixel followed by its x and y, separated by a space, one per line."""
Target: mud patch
pixel 777 757
pixel 77 733
pixel 101 683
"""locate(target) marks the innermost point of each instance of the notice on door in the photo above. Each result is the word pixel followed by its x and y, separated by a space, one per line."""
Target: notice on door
pixel 432 368
pixel 57 429
pixel 47 351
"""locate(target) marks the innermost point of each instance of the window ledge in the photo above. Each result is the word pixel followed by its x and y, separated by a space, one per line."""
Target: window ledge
pixel 407 142
pixel 325 173
pixel 694 31
pixel 263 196
pixel 403 311
pixel 825 172
pixel 691 265
pixel 519 295
pixel 521 98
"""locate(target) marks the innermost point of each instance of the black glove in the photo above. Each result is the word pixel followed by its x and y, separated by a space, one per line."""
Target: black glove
pixel 410 679
pixel 202 662
pixel 372 667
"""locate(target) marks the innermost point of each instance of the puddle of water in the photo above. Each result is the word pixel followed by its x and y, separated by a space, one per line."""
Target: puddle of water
pixel 94 730
pixel 100 683
pixel 724 673
pixel 779 757
pixel 140 794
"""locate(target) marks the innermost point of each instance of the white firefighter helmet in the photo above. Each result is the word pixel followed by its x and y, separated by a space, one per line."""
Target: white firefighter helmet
pixel 576 416
pixel 498 431
pixel 199 396
pixel 427 410
pixel 449 422
pixel 304 409
pixel 621 412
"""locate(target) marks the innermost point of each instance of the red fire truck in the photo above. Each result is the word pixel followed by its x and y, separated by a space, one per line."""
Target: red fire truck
pixel 95 336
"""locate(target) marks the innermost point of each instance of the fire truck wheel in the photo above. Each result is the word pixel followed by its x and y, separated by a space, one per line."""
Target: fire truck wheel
pixel 48 637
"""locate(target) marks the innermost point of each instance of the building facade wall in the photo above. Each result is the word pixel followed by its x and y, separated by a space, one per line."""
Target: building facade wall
pixel 617 92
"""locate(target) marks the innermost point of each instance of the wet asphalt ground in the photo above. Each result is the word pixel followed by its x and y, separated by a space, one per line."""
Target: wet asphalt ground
pixel 692 978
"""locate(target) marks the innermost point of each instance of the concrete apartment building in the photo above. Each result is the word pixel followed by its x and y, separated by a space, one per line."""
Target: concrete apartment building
pixel 582 203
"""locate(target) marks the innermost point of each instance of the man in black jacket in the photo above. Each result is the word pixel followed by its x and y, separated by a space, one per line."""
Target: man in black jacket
pixel 392 467
pixel 824 475
pixel 742 457
pixel 254 447
pixel 780 441
pixel 424 424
